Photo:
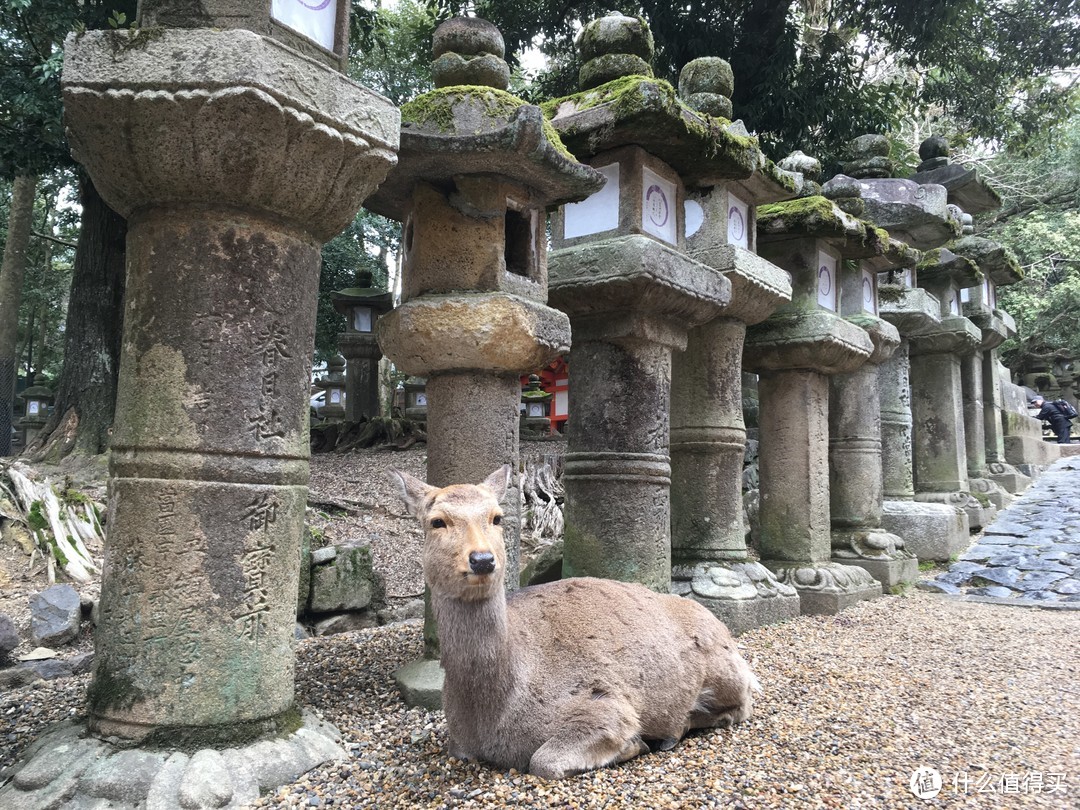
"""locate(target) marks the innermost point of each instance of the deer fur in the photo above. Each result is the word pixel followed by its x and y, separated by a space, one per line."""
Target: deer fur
pixel 560 678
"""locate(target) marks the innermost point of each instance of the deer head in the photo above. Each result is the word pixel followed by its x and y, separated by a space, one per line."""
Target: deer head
pixel 464 552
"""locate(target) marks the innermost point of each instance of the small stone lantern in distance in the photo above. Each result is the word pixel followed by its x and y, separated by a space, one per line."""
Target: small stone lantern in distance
pixel 362 306
pixel 536 407
pixel 37 399
pixel 416 399
pixel 333 383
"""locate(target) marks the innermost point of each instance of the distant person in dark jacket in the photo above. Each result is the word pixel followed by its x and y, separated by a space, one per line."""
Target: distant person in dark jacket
pixel 1049 412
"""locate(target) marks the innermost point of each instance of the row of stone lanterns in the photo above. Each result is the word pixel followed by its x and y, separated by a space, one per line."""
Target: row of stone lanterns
pixel 242 148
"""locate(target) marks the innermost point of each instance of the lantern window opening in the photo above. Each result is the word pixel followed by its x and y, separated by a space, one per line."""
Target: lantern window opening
pixel 519 240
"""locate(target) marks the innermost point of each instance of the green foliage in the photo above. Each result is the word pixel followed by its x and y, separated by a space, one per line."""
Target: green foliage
pixel 31 126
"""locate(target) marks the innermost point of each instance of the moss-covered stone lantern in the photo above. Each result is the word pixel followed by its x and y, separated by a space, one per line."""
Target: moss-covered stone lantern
pixel 795 352
pixel 478 169
pixel 535 407
pixel 621 272
pixel 709 555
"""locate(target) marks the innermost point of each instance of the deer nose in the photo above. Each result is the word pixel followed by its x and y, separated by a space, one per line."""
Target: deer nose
pixel 481 562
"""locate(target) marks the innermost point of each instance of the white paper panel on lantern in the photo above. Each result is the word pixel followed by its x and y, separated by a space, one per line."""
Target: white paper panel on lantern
pixel 826 281
pixel 597 213
pixel 315 19
pixel 869 292
pixel 658 215
pixel 693 216
pixel 908 276
pixel 989 293
pixel 738 222
pixel 335 396
pixel 421 400
pixel 965 295
pixel 362 319
pixel 33 408
pixel 954 303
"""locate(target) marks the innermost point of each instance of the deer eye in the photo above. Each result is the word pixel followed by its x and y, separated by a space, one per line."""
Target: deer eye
pixel 438 523
pixel 497 519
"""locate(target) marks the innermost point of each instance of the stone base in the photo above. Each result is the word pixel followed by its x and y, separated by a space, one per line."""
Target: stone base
pixel 1030 451
pixel 980 515
pixel 69 767
pixel 1012 481
pixel 743 595
pixel 902 569
pixel 420 683
pixel 994 492
pixel 825 588
pixel 931 531
pixel 878 552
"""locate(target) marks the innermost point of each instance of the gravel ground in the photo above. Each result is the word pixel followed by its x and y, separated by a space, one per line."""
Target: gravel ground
pixel 853 704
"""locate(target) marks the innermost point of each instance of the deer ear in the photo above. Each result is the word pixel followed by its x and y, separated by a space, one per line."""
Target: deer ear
pixel 498 481
pixel 412 490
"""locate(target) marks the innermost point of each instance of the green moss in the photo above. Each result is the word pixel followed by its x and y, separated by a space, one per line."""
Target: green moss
pixel 631 96
pixel 809 214
pixel 132 39
pixel 981 498
pixel 891 292
pixel 930 259
pixel 436 110
pixel 782 178
pixel 35 518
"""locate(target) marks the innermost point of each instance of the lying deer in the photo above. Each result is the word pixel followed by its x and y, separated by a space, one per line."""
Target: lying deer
pixel 568 676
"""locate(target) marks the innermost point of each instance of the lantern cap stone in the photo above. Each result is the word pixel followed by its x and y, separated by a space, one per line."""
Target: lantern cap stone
pixel 941 263
pixel 813 339
pixel 910 309
pixel 377 298
pixel 645 112
pixel 993 258
pixel 706 84
pixel 37 392
pixel 469 51
pixel 612 47
pixel 965 187
pixel 869 157
pixel 819 218
pixel 896 253
pixel 468 130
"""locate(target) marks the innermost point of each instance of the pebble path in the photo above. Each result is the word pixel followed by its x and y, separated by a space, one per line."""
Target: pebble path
pixel 1030 554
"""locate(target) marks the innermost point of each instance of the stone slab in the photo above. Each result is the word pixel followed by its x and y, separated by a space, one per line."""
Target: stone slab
pixel 890 573
pixel 421 683
pixel 930 531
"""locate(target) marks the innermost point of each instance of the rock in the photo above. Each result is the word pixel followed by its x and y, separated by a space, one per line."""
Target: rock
pixel 348 583
pixel 412 609
pixel 545 566
pixel 9 637
pixel 1068 586
pixel 54 615
pixel 81 663
pixel 999 576
pixel 301 632
pixel 206 781
pixel 936 586
pixel 14 677
pixel 52 668
pixel 996 591
pixel 345 623
pixel 1038 580
pixel 421 683
pixel 323 555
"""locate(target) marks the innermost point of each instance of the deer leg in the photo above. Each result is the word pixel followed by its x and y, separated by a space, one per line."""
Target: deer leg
pixel 595 733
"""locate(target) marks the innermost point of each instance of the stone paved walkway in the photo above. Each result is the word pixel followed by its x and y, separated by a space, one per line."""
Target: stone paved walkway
pixel 1029 555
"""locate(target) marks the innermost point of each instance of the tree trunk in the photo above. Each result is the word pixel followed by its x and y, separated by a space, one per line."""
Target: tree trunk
pixel 12 270
pixel 86 394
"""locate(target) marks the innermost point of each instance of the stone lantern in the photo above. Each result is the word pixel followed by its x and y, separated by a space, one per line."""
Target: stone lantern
pixel 919 216
pixel 619 269
pixel 478 169
pixel 333 383
pixel 234 157
pixel 37 399
pixel 795 351
pixel 416 399
pixel 709 555
pixel 535 407
pixel 362 306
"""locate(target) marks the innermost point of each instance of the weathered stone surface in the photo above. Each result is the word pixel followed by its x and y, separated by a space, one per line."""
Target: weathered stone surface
pixel 806 339
pixel 348 583
pixel 324 555
pixel 345 623
pixel 507 334
pixel 54 616
pixel 314 143
pixel 930 531
pixel 9 637
pixel 66 767
pixel 708 74
pixel 421 683
pixel 911 212
pixel 743 595
pixel 470 36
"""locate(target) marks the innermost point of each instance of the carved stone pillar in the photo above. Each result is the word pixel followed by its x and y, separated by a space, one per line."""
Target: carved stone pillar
pixel 233 159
